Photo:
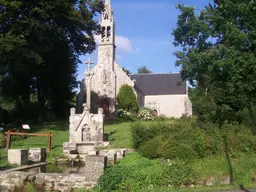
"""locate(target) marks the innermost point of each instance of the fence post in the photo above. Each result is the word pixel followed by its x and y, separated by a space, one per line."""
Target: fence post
pixel 49 142
pixel 8 139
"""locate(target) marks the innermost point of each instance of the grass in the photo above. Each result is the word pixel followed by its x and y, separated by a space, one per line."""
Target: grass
pixel 60 131
pixel 119 135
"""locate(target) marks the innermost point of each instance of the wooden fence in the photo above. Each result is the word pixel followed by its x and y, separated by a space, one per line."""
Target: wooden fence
pixel 48 135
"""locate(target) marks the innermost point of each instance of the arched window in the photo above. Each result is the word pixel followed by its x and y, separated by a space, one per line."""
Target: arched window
pixel 108 31
pixel 155 113
pixel 103 32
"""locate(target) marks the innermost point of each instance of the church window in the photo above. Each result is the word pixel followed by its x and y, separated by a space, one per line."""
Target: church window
pixel 103 32
pixel 106 16
pixel 108 31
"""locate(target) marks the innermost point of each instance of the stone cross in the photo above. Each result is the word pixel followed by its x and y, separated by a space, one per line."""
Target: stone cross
pixel 88 74
pixel 89 62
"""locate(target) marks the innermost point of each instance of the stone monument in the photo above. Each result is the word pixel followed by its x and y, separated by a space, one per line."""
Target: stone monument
pixel 86 130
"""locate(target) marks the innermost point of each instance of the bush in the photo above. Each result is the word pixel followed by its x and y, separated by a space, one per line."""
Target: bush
pixel 2 140
pixel 124 115
pixel 135 173
pixel 145 115
pixel 126 99
pixel 184 139
pixel 147 108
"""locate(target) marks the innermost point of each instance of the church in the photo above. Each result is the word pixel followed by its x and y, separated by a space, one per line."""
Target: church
pixel 166 94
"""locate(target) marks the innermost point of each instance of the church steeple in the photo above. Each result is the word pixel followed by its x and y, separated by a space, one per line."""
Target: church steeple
pixel 106 48
pixel 107 23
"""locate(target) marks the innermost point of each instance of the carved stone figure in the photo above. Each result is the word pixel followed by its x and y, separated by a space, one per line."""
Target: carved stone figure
pixel 86 136
pixel 104 77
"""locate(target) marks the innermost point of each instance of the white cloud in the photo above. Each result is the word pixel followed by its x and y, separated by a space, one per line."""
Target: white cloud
pixel 123 44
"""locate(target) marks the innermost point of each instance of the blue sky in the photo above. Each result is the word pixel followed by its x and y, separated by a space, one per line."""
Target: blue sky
pixel 143 34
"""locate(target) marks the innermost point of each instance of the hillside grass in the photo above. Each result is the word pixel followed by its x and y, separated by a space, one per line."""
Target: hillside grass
pixel 137 173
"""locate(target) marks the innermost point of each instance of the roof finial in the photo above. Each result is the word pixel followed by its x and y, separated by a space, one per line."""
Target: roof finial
pixel 107 2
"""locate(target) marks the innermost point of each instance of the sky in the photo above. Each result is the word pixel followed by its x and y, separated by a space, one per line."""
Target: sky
pixel 143 34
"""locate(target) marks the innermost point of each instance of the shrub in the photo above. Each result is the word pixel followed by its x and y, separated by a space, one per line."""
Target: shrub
pixel 126 99
pixel 184 139
pixel 124 115
pixel 146 108
pixel 135 173
pixel 145 115
pixel 2 140
pixel 162 117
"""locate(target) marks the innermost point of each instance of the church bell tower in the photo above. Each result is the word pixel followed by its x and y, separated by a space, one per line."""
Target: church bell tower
pixel 106 47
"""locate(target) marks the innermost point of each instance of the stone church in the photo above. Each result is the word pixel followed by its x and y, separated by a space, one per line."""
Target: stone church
pixel 166 94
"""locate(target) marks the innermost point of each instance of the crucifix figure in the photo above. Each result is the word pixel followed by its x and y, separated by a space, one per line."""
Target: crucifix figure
pixel 88 74
pixel 89 63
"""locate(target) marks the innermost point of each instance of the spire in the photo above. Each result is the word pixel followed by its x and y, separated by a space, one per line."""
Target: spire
pixel 107 2
pixel 108 12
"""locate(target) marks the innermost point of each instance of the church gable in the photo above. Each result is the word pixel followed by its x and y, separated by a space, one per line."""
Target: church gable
pixel 122 78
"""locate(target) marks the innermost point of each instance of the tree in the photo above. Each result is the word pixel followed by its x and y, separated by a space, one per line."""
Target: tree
pixel 40 44
pixel 126 99
pixel 127 71
pixel 218 53
pixel 143 69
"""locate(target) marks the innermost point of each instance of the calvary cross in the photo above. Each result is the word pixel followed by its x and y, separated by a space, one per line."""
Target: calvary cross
pixel 89 63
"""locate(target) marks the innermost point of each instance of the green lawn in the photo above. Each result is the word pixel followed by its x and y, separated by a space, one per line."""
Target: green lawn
pixel 119 135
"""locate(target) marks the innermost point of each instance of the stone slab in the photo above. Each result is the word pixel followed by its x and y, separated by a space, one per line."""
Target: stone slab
pixel 24 167
pixel 18 156
pixel 37 154
pixel 94 167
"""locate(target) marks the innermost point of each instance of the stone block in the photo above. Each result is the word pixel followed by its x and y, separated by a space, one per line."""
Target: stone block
pixel 94 167
pixel 37 154
pixel 85 148
pixel 18 156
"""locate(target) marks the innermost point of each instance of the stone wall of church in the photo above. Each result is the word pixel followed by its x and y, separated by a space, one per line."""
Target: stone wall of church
pixel 169 105
pixel 122 78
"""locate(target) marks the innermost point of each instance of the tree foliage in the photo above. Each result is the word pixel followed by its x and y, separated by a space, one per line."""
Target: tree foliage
pixel 218 53
pixel 126 99
pixel 40 43
pixel 126 71
pixel 143 69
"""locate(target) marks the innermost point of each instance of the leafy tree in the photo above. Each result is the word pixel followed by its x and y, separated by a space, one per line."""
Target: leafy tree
pixel 40 44
pixel 126 71
pixel 126 99
pixel 218 53
pixel 143 69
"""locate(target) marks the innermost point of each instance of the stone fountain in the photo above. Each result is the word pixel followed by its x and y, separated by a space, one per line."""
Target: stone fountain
pixel 86 131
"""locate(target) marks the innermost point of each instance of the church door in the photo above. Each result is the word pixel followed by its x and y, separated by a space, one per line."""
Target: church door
pixel 105 106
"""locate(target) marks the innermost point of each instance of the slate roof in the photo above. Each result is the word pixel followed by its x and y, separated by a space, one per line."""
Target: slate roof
pixel 159 84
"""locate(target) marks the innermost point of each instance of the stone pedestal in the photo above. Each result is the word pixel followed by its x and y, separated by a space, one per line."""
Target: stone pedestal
pixel 94 167
pixel 18 156
pixel 37 154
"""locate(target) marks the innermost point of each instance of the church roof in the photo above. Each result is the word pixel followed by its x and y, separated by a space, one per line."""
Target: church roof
pixel 160 84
